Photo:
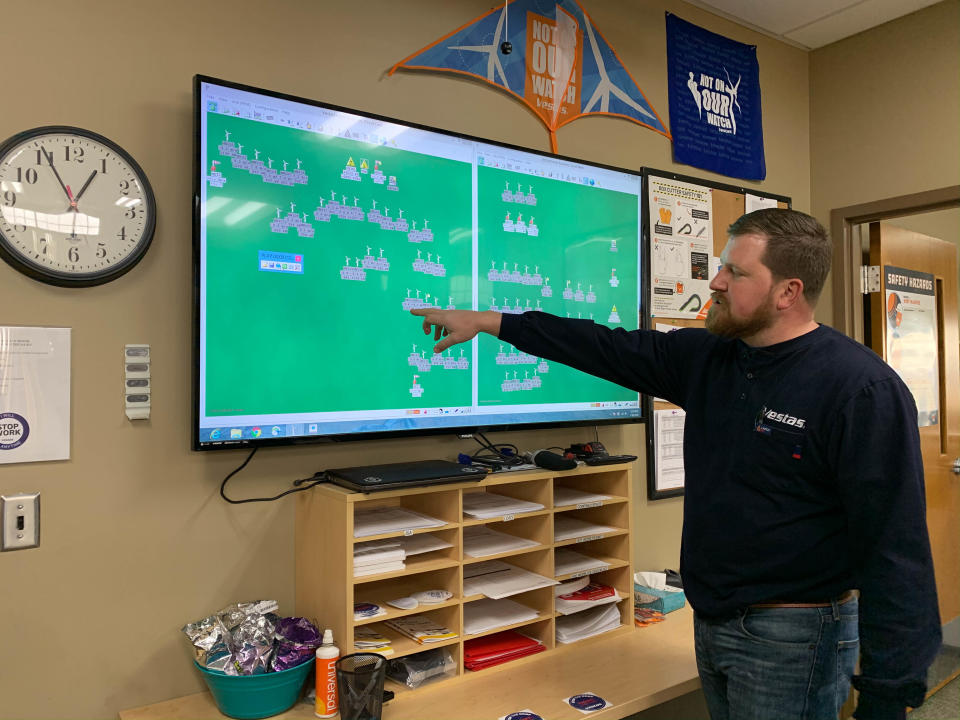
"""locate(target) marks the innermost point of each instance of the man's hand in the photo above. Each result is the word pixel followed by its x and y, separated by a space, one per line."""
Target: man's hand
pixel 456 326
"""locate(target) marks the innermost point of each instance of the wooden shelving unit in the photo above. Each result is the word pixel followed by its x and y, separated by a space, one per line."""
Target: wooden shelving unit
pixel 326 589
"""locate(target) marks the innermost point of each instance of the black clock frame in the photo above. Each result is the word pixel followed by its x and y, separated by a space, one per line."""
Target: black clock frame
pixel 99 277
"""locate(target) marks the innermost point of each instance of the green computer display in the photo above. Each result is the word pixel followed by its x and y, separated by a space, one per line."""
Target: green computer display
pixel 318 229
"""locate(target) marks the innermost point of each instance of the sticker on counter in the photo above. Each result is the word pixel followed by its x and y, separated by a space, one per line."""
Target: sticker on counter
pixel 521 715
pixel 586 702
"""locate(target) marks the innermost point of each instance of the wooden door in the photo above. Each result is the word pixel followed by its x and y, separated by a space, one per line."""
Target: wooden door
pixel 940 440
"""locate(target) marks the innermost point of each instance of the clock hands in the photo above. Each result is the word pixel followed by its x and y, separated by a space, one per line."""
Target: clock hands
pixel 49 157
pixel 83 189
pixel 66 188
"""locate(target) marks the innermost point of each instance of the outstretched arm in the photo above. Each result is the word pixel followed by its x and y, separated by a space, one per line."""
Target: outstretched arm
pixel 457 326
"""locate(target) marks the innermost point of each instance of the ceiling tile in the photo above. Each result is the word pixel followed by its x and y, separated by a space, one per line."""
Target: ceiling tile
pixel 853 20
pixel 780 16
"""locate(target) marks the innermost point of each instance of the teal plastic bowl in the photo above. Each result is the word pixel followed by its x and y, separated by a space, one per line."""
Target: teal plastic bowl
pixel 256 696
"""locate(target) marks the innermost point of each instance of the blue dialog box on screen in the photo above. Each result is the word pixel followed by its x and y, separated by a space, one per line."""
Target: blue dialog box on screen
pixel 280 262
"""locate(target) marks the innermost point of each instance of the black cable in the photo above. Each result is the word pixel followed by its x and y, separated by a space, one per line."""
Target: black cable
pixel 497 452
pixel 298 483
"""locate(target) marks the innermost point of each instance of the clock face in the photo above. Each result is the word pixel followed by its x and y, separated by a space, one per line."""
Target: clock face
pixel 75 208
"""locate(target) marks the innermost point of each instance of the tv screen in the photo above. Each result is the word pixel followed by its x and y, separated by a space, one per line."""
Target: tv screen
pixel 317 229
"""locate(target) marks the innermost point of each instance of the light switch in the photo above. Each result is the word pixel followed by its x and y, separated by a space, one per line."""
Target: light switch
pixel 20 515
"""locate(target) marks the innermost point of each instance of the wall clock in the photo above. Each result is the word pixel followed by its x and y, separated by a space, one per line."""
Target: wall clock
pixel 75 208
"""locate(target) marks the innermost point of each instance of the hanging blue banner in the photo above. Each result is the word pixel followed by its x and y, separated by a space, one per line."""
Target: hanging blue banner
pixel 714 92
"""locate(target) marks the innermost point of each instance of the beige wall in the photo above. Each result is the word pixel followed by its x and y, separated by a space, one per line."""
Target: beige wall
pixel 885 114
pixel 136 541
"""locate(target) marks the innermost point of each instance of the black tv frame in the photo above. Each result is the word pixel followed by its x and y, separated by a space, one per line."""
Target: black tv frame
pixel 415 432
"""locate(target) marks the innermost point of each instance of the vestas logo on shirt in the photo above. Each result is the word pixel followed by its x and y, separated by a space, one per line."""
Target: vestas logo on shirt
pixel 783 418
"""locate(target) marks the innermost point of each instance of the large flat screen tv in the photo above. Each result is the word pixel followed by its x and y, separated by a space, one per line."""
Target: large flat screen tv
pixel 317 228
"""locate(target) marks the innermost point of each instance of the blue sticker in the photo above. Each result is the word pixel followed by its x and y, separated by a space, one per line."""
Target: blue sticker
pixel 14 431
pixel 522 715
pixel 588 702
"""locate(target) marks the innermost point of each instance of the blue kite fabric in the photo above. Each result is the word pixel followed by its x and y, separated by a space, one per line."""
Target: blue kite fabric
pixel 714 92
pixel 557 63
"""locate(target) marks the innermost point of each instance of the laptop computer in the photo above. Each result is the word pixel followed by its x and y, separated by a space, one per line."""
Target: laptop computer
pixel 393 476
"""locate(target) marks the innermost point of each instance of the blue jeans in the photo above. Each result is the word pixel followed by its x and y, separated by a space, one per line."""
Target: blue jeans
pixel 778 663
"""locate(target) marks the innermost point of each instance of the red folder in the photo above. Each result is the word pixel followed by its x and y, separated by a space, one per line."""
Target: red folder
pixel 500 647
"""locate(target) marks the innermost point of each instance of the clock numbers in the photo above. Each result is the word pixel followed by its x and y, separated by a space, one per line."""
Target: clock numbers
pixel 124 187
pixel 73 255
pixel 103 166
pixel 72 153
pixel 30 176
pixel 101 250
pixel 9 198
pixel 123 232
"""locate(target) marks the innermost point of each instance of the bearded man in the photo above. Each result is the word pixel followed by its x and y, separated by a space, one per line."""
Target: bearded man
pixel 804 532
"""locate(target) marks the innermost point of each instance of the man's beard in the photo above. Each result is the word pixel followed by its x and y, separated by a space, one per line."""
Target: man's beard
pixel 719 321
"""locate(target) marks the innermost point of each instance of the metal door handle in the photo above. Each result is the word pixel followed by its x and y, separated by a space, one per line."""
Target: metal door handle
pixel 956 466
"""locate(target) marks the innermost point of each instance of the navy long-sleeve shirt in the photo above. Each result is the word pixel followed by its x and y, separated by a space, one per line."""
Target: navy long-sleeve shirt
pixel 804 479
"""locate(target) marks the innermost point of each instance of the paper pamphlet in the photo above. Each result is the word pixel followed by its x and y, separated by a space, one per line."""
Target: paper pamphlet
pixel 481 541
pixel 374 521
pixel 482 615
pixel 668 444
pixel 497 579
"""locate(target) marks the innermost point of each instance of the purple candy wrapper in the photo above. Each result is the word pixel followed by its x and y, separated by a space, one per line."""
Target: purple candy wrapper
pixel 253 643
pixel 297 642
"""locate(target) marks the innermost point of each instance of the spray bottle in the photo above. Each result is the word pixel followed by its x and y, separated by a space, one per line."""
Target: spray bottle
pixel 327 656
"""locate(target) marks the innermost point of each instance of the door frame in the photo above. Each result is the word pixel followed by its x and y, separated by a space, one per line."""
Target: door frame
pixel 847 256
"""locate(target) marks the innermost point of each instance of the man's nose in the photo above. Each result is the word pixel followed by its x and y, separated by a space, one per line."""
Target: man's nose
pixel 718 284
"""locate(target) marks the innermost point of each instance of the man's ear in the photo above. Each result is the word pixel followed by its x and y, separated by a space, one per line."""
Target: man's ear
pixel 789 293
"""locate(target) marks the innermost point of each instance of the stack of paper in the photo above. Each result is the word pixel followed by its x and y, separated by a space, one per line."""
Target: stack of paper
pixel 564 496
pixel 481 541
pixel 485 505
pixel 567 528
pixel 571 628
pixel 589 596
pixel 367 639
pixel 393 518
pixel 500 647
pixel 497 579
pixel 378 556
pixel 567 561
pixel 418 544
pixel 421 628
pixel 482 615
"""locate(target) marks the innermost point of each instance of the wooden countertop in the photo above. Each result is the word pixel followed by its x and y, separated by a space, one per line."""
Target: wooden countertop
pixel 632 671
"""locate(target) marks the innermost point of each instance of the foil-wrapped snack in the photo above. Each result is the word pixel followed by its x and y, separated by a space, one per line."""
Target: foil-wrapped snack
pixel 233 615
pixel 253 645
pixel 297 642
pixel 238 640
pixel 211 643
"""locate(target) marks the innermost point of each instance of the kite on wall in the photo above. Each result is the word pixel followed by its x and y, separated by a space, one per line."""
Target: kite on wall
pixel 540 52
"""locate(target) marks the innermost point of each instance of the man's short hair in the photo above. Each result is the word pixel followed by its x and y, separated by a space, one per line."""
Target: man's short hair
pixel 797 246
